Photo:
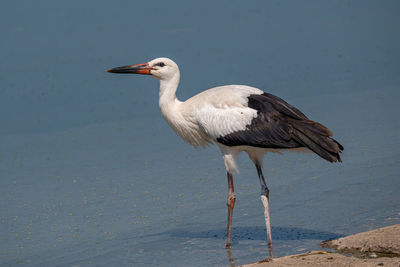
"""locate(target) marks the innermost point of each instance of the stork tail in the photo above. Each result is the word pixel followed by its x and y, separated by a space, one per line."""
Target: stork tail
pixel 316 137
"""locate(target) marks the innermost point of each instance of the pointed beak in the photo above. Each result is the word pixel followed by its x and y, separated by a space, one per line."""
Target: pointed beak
pixel 138 69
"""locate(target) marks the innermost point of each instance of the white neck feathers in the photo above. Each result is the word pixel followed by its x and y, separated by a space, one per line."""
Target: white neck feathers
pixel 168 87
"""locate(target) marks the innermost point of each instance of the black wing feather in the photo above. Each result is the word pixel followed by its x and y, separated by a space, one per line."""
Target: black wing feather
pixel 280 125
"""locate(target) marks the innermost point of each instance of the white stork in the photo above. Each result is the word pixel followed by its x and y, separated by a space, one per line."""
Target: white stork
pixel 237 118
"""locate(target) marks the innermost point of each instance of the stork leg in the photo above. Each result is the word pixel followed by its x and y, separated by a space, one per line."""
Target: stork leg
pixel 230 202
pixel 265 201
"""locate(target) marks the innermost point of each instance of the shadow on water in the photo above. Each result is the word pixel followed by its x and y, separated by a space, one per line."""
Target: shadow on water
pixel 239 234
pixel 257 233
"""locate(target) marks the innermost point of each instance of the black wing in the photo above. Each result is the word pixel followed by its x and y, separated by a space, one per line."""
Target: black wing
pixel 280 125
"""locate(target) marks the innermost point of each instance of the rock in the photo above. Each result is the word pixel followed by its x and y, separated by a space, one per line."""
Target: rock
pixel 382 241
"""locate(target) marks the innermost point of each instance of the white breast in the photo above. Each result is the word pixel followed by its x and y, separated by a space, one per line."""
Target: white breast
pixel 184 124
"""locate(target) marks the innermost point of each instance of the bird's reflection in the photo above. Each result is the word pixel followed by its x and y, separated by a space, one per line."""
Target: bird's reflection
pixel 230 257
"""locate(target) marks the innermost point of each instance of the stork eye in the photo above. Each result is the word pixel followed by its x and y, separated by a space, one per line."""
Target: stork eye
pixel 160 64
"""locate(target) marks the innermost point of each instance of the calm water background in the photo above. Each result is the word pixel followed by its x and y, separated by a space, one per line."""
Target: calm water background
pixel 91 175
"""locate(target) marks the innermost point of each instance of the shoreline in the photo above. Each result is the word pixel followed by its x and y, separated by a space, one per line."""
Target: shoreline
pixel 379 247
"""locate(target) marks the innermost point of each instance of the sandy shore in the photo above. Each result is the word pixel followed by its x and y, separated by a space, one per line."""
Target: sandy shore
pixel 380 247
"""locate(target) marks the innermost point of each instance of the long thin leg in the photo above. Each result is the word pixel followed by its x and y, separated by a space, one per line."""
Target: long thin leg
pixel 230 203
pixel 265 201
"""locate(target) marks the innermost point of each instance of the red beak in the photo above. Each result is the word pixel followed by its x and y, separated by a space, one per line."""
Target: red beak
pixel 138 69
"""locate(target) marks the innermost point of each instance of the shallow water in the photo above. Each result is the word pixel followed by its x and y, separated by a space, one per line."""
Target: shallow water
pixel 92 175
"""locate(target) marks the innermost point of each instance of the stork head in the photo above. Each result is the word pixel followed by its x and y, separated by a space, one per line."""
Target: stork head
pixel 160 68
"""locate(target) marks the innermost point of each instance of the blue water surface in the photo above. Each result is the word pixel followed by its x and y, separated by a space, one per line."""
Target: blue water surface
pixel 91 175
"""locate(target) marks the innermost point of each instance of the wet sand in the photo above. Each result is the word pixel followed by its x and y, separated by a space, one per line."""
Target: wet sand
pixel 382 241
pixel 380 247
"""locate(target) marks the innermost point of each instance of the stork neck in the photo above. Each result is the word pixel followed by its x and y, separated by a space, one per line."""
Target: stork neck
pixel 167 94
